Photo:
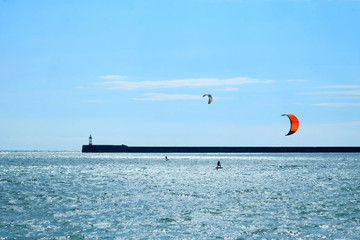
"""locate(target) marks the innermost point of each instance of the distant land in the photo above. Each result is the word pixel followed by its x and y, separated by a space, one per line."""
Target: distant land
pixel 160 149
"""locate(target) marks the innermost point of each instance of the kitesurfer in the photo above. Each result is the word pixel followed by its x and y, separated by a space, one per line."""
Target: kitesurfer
pixel 166 158
pixel 218 164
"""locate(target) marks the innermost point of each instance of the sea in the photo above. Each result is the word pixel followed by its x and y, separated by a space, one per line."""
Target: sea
pixel 74 195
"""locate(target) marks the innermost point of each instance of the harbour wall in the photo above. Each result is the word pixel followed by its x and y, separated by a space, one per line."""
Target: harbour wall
pixel 151 149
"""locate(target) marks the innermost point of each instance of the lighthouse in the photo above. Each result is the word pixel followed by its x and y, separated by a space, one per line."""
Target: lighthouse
pixel 90 140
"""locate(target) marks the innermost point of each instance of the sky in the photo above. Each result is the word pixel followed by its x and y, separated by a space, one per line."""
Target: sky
pixel 134 72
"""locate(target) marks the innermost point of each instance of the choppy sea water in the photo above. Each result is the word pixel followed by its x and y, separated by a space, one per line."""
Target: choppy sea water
pixel 60 195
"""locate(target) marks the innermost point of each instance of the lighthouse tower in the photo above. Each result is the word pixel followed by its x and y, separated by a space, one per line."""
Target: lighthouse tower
pixel 90 140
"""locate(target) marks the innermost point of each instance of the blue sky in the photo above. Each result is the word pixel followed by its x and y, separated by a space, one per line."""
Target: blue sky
pixel 134 72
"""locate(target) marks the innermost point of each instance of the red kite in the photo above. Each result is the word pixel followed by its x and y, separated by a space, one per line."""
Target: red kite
pixel 294 123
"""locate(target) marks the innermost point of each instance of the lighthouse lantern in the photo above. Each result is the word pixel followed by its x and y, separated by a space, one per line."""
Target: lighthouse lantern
pixel 90 140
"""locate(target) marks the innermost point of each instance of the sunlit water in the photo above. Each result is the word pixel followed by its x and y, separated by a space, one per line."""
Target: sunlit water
pixel 59 195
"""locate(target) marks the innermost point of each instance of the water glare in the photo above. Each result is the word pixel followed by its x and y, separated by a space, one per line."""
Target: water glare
pixel 57 195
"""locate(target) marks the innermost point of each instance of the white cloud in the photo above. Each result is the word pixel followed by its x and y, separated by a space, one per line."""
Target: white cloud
pixel 342 86
pixel 341 90
pixel 196 82
pixel 168 97
pixel 269 81
pixel 229 89
pixel 113 77
pixel 349 92
pixel 337 104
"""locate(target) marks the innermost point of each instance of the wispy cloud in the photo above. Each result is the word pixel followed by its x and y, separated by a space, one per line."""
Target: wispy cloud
pixel 229 89
pixel 113 77
pixel 341 86
pixel 196 82
pixel 338 104
pixel 343 90
pixel 167 97
pixel 349 92
pixel 269 81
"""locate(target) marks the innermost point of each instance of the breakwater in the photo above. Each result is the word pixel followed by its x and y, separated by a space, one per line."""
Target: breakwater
pixel 159 149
